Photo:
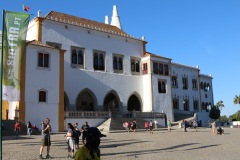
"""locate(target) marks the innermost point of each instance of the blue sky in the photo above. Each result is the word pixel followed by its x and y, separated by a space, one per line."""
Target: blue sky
pixel 191 32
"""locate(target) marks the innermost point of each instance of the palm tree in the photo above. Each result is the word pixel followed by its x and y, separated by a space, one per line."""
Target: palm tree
pixel 236 100
pixel 220 104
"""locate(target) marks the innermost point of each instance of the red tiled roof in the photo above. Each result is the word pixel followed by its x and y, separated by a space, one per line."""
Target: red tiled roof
pixel 82 22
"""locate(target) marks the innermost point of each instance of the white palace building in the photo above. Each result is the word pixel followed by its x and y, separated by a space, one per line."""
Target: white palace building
pixel 76 68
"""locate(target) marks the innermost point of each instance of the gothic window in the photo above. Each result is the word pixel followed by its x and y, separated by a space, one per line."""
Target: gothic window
pixel 186 105
pixel 77 57
pixel 155 68
pixel 161 86
pixel 174 81
pixel 118 63
pixel 135 65
pixel 185 83
pixel 195 105
pixel 99 60
pixel 166 72
pixel 175 103
pixel 194 83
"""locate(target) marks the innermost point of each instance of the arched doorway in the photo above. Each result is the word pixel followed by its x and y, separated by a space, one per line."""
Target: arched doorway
pixel 86 101
pixel 111 102
pixel 66 102
pixel 134 104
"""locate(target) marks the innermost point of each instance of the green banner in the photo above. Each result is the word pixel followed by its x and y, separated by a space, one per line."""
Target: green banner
pixel 15 27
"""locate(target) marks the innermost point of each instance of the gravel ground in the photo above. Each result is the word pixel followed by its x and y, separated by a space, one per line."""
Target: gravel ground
pixel 161 145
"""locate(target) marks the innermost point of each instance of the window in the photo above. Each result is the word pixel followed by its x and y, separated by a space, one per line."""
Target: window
pixel 42 96
pixel 205 95
pixel 161 86
pixel 174 81
pixel 185 83
pixel 159 68
pixel 43 60
pixel 194 83
pixel 201 85
pixel 145 68
pixel 195 105
pixel 55 45
pixel 99 60
pixel 135 65
pixel 186 105
pixel 175 103
pixel 77 56
pixel 118 63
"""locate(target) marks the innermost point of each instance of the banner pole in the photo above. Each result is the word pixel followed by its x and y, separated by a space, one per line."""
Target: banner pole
pixel 3 21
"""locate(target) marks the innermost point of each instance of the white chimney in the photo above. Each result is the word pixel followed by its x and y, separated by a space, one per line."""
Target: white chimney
pixel 39 13
pixel 106 20
pixel 116 18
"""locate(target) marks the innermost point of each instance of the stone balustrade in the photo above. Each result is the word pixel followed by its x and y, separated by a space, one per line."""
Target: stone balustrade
pixel 87 114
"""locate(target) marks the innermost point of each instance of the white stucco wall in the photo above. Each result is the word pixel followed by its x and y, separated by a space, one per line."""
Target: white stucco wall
pixel 38 79
pixel 99 82
pixel 189 72
pixel 32 30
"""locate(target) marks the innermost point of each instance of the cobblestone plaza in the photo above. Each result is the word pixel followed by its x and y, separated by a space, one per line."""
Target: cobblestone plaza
pixel 161 145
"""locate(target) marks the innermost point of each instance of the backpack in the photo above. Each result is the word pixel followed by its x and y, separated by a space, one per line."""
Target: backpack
pixel 74 133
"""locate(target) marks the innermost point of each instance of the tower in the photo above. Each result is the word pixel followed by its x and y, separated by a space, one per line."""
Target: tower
pixel 115 18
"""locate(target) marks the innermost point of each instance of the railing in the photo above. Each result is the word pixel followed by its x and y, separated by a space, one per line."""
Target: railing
pixel 87 114
pixel 148 114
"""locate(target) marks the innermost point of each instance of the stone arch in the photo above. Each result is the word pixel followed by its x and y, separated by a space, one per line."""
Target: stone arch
pixel 66 102
pixel 111 101
pixel 134 102
pixel 86 101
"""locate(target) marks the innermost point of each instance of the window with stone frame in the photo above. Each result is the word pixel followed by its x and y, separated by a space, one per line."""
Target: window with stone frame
pixel 185 83
pixel 161 86
pixel 99 60
pixel 43 60
pixel 195 105
pixel 176 103
pixel 42 96
pixel 77 57
pixel 117 63
pixel 160 68
pixel 194 84
pixel 135 65
pixel 174 81
pixel 145 68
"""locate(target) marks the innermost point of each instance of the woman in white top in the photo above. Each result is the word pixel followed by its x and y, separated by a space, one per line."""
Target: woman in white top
pixel 70 141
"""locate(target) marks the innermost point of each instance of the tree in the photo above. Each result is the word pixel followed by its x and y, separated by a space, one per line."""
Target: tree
pixel 214 112
pixel 223 118
pixel 236 100
pixel 220 104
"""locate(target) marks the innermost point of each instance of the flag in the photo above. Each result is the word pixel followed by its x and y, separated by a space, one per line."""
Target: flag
pixel 14 36
pixel 25 8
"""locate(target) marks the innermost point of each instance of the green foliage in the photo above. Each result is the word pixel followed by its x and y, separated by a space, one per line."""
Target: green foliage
pixel 214 113
pixel 223 118
pixel 235 116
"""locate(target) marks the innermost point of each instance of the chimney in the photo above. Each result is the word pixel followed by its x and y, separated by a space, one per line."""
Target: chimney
pixel 116 18
pixel 106 20
pixel 39 13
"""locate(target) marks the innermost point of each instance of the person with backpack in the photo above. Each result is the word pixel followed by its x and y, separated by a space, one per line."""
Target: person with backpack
pixel 90 150
pixel 70 140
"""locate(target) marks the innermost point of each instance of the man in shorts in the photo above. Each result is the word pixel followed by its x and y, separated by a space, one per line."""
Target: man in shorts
pixel 46 129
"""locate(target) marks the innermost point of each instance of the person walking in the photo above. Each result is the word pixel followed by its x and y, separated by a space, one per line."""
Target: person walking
pixel 78 132
pixel 46 141
pixel 146 125
pixel 184 124
pixel 151 126
pixel 134 125
pixel 169 125
pixel 29 129
pixel 70 141
pixel 90 150
pixel 195 125
pixel 84 129
pixel 213 127
pixel 17 129
pixel 155 123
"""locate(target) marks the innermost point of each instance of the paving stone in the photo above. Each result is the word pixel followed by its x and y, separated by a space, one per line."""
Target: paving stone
pixel 161 145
